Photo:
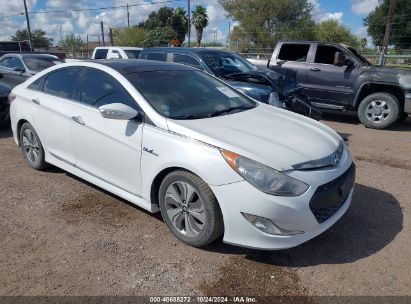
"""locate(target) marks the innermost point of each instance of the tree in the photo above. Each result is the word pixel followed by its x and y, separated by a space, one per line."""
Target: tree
pixel 38 38
pixel 264 22
pixel 71 43
pixel 172 19
pixel 133 36
pixel 161 36
pixel 401 25
pixel 332 31
pixel 199 20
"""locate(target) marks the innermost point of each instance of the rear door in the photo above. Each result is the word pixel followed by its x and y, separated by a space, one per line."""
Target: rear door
pixel 53 96
pixel 328 83
pixel 106 148
pixel 293 56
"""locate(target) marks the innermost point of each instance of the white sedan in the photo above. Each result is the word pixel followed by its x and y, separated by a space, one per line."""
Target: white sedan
pixel 170 138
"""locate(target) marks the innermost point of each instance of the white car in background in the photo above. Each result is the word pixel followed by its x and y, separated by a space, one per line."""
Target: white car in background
pixel 116 52
pixel 171 138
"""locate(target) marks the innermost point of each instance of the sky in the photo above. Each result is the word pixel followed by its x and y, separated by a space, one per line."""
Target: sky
pixel 349 13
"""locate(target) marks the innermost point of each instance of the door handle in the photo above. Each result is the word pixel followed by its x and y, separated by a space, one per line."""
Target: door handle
pixel 79 120
pixel 36 101
pixel 315 69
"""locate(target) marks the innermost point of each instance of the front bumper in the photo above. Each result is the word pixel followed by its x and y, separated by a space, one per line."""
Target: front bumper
pixel 288 213
pixel 407 104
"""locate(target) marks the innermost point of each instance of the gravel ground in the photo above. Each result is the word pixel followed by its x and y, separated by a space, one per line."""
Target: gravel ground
pixel 60 235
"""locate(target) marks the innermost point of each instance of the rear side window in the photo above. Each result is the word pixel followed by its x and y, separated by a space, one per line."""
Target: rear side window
pixel 325 54
pixel 99 88
pixel 294 52
pixel 63 82
pixel 101 54
pixel 157 56
pixel 37 85
pixel 187 60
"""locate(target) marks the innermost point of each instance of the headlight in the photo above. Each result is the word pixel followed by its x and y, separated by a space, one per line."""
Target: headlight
pixel 264 178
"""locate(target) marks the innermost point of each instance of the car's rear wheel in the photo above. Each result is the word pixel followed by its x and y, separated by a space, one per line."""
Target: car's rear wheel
pixel 379 110
pixel 190 209
pixel 31 147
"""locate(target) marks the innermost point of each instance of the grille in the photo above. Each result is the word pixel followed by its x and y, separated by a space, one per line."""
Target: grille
pixel 329 198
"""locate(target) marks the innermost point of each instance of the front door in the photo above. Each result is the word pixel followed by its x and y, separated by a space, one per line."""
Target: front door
pixel 107 149
pixel 327 82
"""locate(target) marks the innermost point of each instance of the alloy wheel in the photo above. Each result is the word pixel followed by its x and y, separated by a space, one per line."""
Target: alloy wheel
pixel 185 208
pixel 31 146
pixel 377 111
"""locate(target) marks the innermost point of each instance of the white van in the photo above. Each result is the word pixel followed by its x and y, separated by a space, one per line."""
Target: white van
pixel 118 52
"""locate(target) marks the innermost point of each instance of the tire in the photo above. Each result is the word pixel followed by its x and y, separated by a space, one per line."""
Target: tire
pixel 379 110
pixel 177 210
pixel 31 147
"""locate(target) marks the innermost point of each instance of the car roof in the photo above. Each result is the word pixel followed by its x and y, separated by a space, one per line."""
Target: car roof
pixel 188 50
pixel 138 65
pixel 119 47
pixel 28 55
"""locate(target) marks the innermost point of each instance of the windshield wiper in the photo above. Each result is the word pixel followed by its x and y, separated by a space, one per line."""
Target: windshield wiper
pixel 228 110
pixel 189 116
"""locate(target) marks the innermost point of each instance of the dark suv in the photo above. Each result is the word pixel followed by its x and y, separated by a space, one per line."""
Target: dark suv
pixel 336 77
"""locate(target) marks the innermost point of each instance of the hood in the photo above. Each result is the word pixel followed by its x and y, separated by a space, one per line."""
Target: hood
pixel 257 91
pixel 272 136
pixel 401 76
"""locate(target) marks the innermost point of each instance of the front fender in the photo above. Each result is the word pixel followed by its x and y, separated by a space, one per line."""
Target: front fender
pixel 163 149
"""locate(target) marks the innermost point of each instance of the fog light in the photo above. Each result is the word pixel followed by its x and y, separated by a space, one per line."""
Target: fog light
pixel 267 225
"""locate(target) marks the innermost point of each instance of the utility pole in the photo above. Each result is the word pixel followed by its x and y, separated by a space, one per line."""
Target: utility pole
pixel 229 35
pixel 28 24
pixel 128 17
pixel 88 51
pixel 111 36
pixel 102 32
pixel 189 22
pixel 388 26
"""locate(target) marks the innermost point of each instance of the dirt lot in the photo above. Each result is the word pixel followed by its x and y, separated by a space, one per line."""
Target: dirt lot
pixel 61 236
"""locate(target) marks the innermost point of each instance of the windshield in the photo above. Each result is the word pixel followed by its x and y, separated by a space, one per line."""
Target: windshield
pixel 363 59
pixel 188 94
pixel 132 54
pixel 40 63
pixel 224 64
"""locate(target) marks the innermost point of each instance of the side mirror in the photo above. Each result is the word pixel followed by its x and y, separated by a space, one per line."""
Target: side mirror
pixel 118 111
pixel 341 59
pixel 114 56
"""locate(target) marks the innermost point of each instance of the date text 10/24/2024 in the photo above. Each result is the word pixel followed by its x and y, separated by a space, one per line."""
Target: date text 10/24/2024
pixel 202 299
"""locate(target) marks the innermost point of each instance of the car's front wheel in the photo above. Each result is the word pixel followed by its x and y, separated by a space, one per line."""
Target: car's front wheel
pixel 31 147
pixel 379 110
pixel 190 209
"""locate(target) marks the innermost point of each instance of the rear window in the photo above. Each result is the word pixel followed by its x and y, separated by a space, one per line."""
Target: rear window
pixel 101 54
pixel 294 52
pixel 157 56
pixel 132 54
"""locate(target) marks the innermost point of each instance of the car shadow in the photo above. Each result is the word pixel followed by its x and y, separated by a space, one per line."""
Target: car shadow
pixel 351 118
pixel 373 221
pixel 5 132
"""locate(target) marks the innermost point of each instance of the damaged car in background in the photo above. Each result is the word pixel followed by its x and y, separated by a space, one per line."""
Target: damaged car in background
pixel 274 86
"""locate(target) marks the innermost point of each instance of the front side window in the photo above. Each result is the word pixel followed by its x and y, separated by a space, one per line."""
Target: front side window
pixel 188 94
pixel 101 54
pixel 187 60
pixel 62 83
pixel 294 52
pixel 99 88
pixel 37 63
pixel 222 64
pixel 325 54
